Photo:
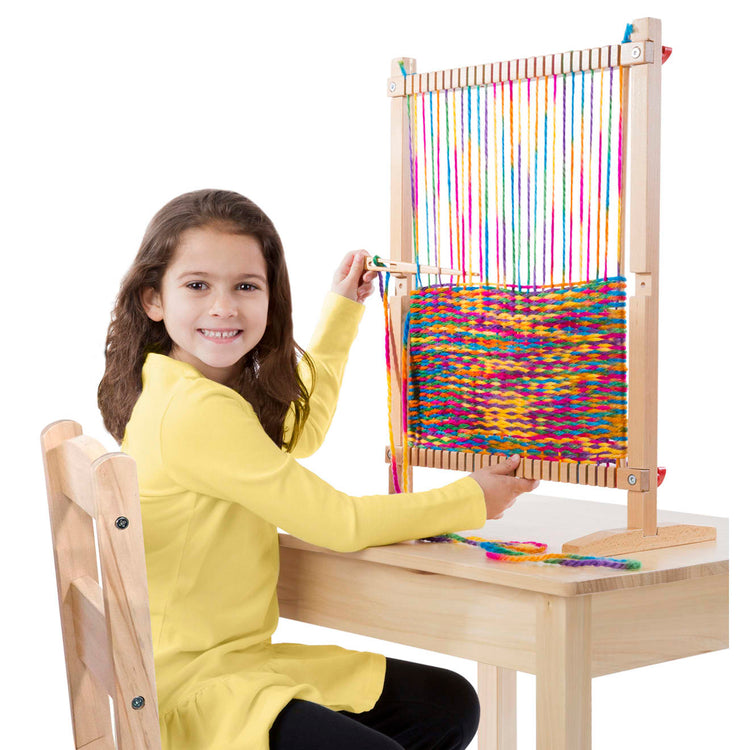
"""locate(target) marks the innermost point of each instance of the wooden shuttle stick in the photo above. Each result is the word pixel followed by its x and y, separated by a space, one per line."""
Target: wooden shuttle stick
pixel 400 268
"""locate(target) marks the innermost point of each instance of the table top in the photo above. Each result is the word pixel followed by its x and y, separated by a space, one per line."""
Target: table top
pixel 554 521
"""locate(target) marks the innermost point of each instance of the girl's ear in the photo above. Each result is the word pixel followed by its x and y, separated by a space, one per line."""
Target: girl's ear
pixel 151 302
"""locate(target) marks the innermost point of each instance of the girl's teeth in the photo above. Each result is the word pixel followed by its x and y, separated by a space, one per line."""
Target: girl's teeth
pixel 220 334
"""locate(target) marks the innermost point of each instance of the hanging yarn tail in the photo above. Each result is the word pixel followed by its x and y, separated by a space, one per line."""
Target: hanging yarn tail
pixel 384 299
pixel 533 552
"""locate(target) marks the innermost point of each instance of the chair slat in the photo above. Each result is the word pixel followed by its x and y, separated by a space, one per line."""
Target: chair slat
pixel 92 639
pixel 74 465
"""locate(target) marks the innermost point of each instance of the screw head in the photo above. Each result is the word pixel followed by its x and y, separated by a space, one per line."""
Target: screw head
pixel 632 479
pixel 635 53
pixel 392 87
pixel 138 702
pixel 122 522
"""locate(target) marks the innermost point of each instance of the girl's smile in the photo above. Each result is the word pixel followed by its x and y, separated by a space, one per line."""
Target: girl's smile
pixel 220 336
pixel 213 300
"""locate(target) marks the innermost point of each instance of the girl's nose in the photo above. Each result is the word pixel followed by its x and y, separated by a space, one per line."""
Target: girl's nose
pixel 223 306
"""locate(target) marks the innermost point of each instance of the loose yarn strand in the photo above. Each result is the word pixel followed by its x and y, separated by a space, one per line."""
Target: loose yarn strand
pixel 591 160
pixel 620 247
pixel 426 191
pixel 437 122
pixel 497 196
pixel 528 181
pixel 609 166
pixel 486 192
pixel 599 188
pixel 580 186
pixel 517 552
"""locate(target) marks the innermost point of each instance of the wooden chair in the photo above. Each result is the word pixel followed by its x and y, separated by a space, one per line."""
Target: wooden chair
pixel 106 628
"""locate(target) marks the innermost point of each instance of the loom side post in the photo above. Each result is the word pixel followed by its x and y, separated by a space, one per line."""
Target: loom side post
pixel 642 532
pixel 401 250
pixel 645 158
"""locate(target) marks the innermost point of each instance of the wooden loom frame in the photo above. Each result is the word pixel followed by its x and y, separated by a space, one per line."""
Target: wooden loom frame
pixel 641 59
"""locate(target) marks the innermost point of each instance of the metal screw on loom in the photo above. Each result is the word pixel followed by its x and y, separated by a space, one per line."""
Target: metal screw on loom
pixel 635 53
pixel 138 702
pixel 392 87
pixel 632 479
pixel 122 522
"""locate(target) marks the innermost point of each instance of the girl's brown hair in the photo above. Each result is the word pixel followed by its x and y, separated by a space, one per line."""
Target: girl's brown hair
pixel 269 380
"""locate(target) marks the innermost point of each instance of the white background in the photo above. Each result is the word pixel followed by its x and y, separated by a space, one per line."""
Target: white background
pixel 111 109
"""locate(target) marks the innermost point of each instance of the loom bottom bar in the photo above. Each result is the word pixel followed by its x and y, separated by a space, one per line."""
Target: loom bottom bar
pixel 571 472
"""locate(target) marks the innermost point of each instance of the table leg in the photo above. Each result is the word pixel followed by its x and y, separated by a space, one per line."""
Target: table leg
pixel 563 673
pixel 497 698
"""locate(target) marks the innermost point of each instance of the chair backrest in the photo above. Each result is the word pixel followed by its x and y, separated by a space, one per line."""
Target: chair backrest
pixel 106 628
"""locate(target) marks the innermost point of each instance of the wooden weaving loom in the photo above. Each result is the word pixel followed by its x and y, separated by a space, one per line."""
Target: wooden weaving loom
pixel 479 193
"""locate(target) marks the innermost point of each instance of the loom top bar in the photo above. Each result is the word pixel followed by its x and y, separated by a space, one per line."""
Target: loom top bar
pixel 599 58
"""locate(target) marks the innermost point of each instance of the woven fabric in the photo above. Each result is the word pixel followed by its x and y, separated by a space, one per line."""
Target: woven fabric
pixel 505 370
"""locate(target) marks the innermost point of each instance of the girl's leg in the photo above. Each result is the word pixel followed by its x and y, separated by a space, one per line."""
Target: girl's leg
pixel 303 725
pixel 423 708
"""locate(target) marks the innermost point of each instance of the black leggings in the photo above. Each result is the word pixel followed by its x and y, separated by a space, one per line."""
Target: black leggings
pixel 421 708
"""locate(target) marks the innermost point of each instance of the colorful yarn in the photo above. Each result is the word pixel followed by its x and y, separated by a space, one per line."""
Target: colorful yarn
pixel 538 172
pixel 540 373
pixel 516 552
pixel 384 300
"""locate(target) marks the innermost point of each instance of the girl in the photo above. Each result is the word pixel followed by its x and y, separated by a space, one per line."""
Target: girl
pixel 203 386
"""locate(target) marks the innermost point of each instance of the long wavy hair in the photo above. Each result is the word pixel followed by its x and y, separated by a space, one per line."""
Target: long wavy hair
pixel 269 380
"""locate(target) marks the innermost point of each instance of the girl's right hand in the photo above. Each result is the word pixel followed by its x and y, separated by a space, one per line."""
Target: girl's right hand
pixel 500 489
pixel 351 280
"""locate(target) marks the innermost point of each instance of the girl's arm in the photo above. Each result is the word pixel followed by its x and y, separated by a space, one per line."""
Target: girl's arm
pixel 329 349
pixel 213 444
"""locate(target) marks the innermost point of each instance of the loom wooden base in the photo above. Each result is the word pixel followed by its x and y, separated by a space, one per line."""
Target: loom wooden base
pixel 622 541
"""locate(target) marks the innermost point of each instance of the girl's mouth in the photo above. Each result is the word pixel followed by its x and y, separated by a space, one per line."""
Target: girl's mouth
pixel 220 336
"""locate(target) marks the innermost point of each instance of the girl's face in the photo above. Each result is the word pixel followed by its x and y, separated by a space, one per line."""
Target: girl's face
pixel 213 301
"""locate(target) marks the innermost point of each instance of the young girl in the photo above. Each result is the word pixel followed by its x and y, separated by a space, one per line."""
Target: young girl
pixel 204 388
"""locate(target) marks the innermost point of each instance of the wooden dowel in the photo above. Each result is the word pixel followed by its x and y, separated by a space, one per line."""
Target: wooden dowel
pixel 402 268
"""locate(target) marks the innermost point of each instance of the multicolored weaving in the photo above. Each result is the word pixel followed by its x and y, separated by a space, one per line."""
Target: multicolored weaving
pixel 500 370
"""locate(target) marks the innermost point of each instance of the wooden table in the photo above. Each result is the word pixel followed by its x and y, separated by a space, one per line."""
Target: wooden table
pixel 564 625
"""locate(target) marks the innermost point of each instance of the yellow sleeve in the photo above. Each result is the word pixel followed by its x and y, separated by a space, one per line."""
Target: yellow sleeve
pixel 329 350
pixel 213 443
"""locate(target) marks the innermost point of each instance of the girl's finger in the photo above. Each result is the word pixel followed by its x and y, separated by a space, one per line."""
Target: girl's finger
pixel 526 485
pixel 507 466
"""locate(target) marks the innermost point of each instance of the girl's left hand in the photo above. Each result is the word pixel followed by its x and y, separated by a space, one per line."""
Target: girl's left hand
pixel 351 280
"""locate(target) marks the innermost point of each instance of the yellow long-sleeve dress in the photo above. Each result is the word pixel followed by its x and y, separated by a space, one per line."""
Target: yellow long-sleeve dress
pixel 214 487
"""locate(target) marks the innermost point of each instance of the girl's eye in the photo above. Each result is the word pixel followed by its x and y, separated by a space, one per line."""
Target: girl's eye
pixel 198 286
